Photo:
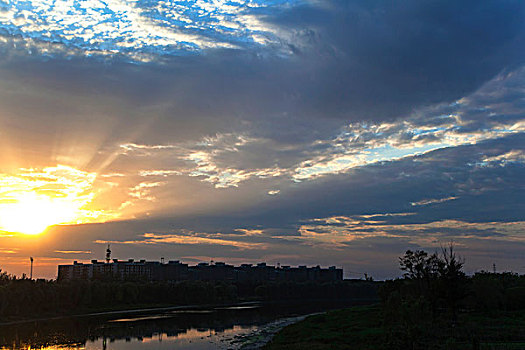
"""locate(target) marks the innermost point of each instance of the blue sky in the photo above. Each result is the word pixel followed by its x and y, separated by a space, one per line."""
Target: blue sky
pixel 301 132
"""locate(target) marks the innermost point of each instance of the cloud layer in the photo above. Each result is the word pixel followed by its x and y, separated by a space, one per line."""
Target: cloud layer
pixel 333 132
pixel 137 30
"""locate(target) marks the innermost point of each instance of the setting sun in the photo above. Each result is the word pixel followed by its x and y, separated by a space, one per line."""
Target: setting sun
pixel 32 213
pixel 31 200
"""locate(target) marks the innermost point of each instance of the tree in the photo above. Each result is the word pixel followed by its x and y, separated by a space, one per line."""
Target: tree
pixel 452 279
pixel 419 265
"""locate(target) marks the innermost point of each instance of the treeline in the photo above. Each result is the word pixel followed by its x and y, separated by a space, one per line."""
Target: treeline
pixel 25 298
pixel 357 289
pixel 437 306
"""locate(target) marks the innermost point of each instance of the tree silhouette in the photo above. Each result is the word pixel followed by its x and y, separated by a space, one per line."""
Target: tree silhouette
pixel 453 279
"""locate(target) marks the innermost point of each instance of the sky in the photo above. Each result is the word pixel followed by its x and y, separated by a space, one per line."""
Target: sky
pixel 299 132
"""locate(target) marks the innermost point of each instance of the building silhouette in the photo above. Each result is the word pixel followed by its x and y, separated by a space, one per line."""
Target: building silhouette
pixel 177 271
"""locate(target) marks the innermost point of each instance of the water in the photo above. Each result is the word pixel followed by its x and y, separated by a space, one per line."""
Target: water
pixel 232 327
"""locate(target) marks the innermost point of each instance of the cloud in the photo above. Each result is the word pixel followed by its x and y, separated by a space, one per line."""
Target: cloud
pixel 142 190
pixel 137 30
pixel 73 251
pixel 432 201
pixel 230 159
pixel 341 229
pixel 190 239
pixel 162 173
pixel 349 61
pixel 511 157
pixel 193 115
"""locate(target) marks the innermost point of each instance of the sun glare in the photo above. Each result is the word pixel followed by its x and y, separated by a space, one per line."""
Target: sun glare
pixel 32 214
pixel 33 200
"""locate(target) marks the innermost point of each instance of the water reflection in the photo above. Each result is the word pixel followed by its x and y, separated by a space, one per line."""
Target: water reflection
pixel 189 339
pixel 198 328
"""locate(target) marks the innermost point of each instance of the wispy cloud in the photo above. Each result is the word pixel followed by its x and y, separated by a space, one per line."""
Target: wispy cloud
pixel 73 251
pixel 511 157
pixel 432 201
pixel 191 239
pixel 162 173
pixel 340 231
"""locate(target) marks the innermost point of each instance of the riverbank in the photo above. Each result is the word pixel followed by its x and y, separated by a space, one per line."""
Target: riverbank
pixel 126 310
pixel 357 328
pixel 218 326
pixel 25 299
pixel 361 327
pixel 156 308
pixel 261 335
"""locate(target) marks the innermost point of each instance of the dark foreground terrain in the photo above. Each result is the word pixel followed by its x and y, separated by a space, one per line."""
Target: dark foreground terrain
pixel 358 327
pixel 25 299
pixel 434 306
pixel 361 328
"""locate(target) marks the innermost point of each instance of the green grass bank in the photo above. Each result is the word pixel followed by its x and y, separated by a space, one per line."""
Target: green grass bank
pixel 358 327
pixel 362 328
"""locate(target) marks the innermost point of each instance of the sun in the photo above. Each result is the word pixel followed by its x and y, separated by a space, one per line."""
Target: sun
pixel 31 213
pixel 33 199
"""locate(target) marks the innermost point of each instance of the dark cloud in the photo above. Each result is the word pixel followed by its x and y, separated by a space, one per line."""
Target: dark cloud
pixel 381 59
pixel 352 60
pixel 481 193
pixel 347 79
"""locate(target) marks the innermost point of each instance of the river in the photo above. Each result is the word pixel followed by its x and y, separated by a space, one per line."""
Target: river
pixel 241 326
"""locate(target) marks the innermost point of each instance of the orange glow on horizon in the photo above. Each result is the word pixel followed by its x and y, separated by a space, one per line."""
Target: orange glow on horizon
pixel 32 214
pixel 33 200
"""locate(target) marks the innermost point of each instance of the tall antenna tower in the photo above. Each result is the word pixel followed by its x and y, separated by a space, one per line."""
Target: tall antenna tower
pixel 31 273
pixel 108 255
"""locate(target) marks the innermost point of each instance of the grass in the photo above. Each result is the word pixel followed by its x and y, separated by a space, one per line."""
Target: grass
pixel 361 328
pixel 504 330
pixel 355 328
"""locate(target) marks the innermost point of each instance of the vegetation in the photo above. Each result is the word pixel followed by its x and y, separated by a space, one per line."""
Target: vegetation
pixel 356 328
pixel 434 306
pixel 22 298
